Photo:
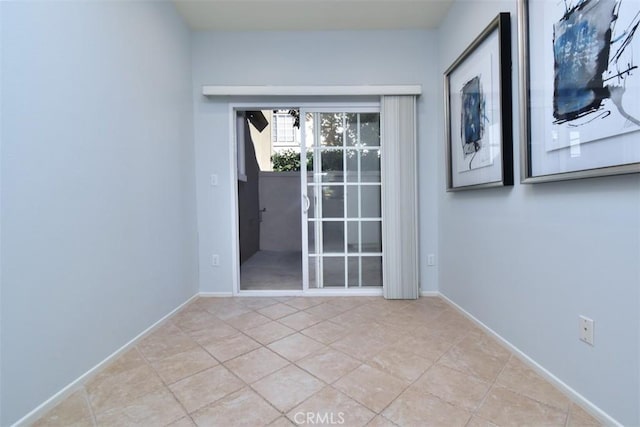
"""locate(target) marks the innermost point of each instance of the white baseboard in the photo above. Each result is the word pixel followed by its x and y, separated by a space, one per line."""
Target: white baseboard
pixel 72 387
pixel 269 293
pixel 592 409
pixel 356 292
pixel 429 293
pixel 215 294
pixel 325 292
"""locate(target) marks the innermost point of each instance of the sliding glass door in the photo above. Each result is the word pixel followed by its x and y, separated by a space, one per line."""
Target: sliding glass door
pixel 341 194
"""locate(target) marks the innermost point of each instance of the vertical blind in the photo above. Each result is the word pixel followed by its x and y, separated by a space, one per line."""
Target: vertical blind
pixel 399 197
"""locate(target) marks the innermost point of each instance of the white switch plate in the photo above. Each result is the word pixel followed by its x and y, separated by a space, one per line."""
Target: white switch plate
pixel 586 330
pixel 214 179
pixel 431 260
pixel 215 260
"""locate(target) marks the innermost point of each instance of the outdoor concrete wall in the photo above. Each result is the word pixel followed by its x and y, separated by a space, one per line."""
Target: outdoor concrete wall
pixel 280 229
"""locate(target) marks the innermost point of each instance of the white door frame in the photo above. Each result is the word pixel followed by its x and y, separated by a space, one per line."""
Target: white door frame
pixel 235 238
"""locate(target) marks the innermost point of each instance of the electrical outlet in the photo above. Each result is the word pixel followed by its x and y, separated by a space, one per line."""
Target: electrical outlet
pixel 431 260
pixel 215 260
pixel 586 330
pixel 214 180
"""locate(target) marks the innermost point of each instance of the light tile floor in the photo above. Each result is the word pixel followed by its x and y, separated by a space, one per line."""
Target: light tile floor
pixel 349 361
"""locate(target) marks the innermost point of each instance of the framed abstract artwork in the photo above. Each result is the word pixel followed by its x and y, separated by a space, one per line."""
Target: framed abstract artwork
pixel 478 117
pixel 579 88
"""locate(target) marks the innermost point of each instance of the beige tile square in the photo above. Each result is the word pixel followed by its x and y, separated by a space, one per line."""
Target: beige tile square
pixel 454 317
pixel 153 409
pixel 350 320
pixel 269 332
pixel 302 303
pixel 295 347
pixel 256 303
pixel 369 311
pixel 214 333
pixel 457 388
pixel 433 302
pixel 211 304
pixel 423 311
pixel 504 407
pixel 393 305
pixel 390 334
pixel 400 362
pixel 400 321
pixel 380 421
pixel 344 303
pixel 229 310
pixel 205 387
pixel 480 422
pixel 276 311
pixel 330 407
pixel 452 326
pixel 256 364
pixel 299 320
pixel 414 408
pixel 182 365
pixel 230 347
pixel 325 310
pixel 371 387
pixel 182 422
pixel 74 410
pixel 482 358
pixel 328 364
pixel 431 348
pixel 287 387
pixel 520 378
pixel 325 332
pixel 242 408
pixel 248 321
pixel 281 422
pixel 190 321
pixel 128 360
pixel 359 346
pixel 108 391
pixel 578 417
pixel 166 341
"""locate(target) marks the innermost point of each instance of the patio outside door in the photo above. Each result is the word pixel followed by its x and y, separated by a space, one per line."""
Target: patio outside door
pixel 341 193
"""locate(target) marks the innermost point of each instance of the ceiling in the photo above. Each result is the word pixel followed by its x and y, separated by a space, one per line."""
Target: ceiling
pixel 312 15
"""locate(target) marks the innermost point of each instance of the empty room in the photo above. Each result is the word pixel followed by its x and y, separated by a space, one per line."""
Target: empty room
pixel 319 212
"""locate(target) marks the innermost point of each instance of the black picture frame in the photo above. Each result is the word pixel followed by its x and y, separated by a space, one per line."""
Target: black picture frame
pixel 478 111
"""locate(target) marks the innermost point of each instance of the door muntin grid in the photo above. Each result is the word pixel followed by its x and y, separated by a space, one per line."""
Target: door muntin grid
pixel 344 192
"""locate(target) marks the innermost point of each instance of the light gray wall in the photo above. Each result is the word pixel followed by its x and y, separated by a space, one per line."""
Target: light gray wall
pixel 98 209
pixel 528 260
pixel 302 58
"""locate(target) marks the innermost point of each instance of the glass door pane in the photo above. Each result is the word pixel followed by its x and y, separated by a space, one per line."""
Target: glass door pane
pixel 343 184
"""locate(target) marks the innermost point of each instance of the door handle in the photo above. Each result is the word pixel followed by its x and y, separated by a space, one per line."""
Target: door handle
pixel 307 203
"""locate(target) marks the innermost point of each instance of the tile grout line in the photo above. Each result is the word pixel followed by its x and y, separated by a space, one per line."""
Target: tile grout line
pixel 435 362
pixel 222 364
pixel 491 386
pixel 85 394
pixel 166 386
